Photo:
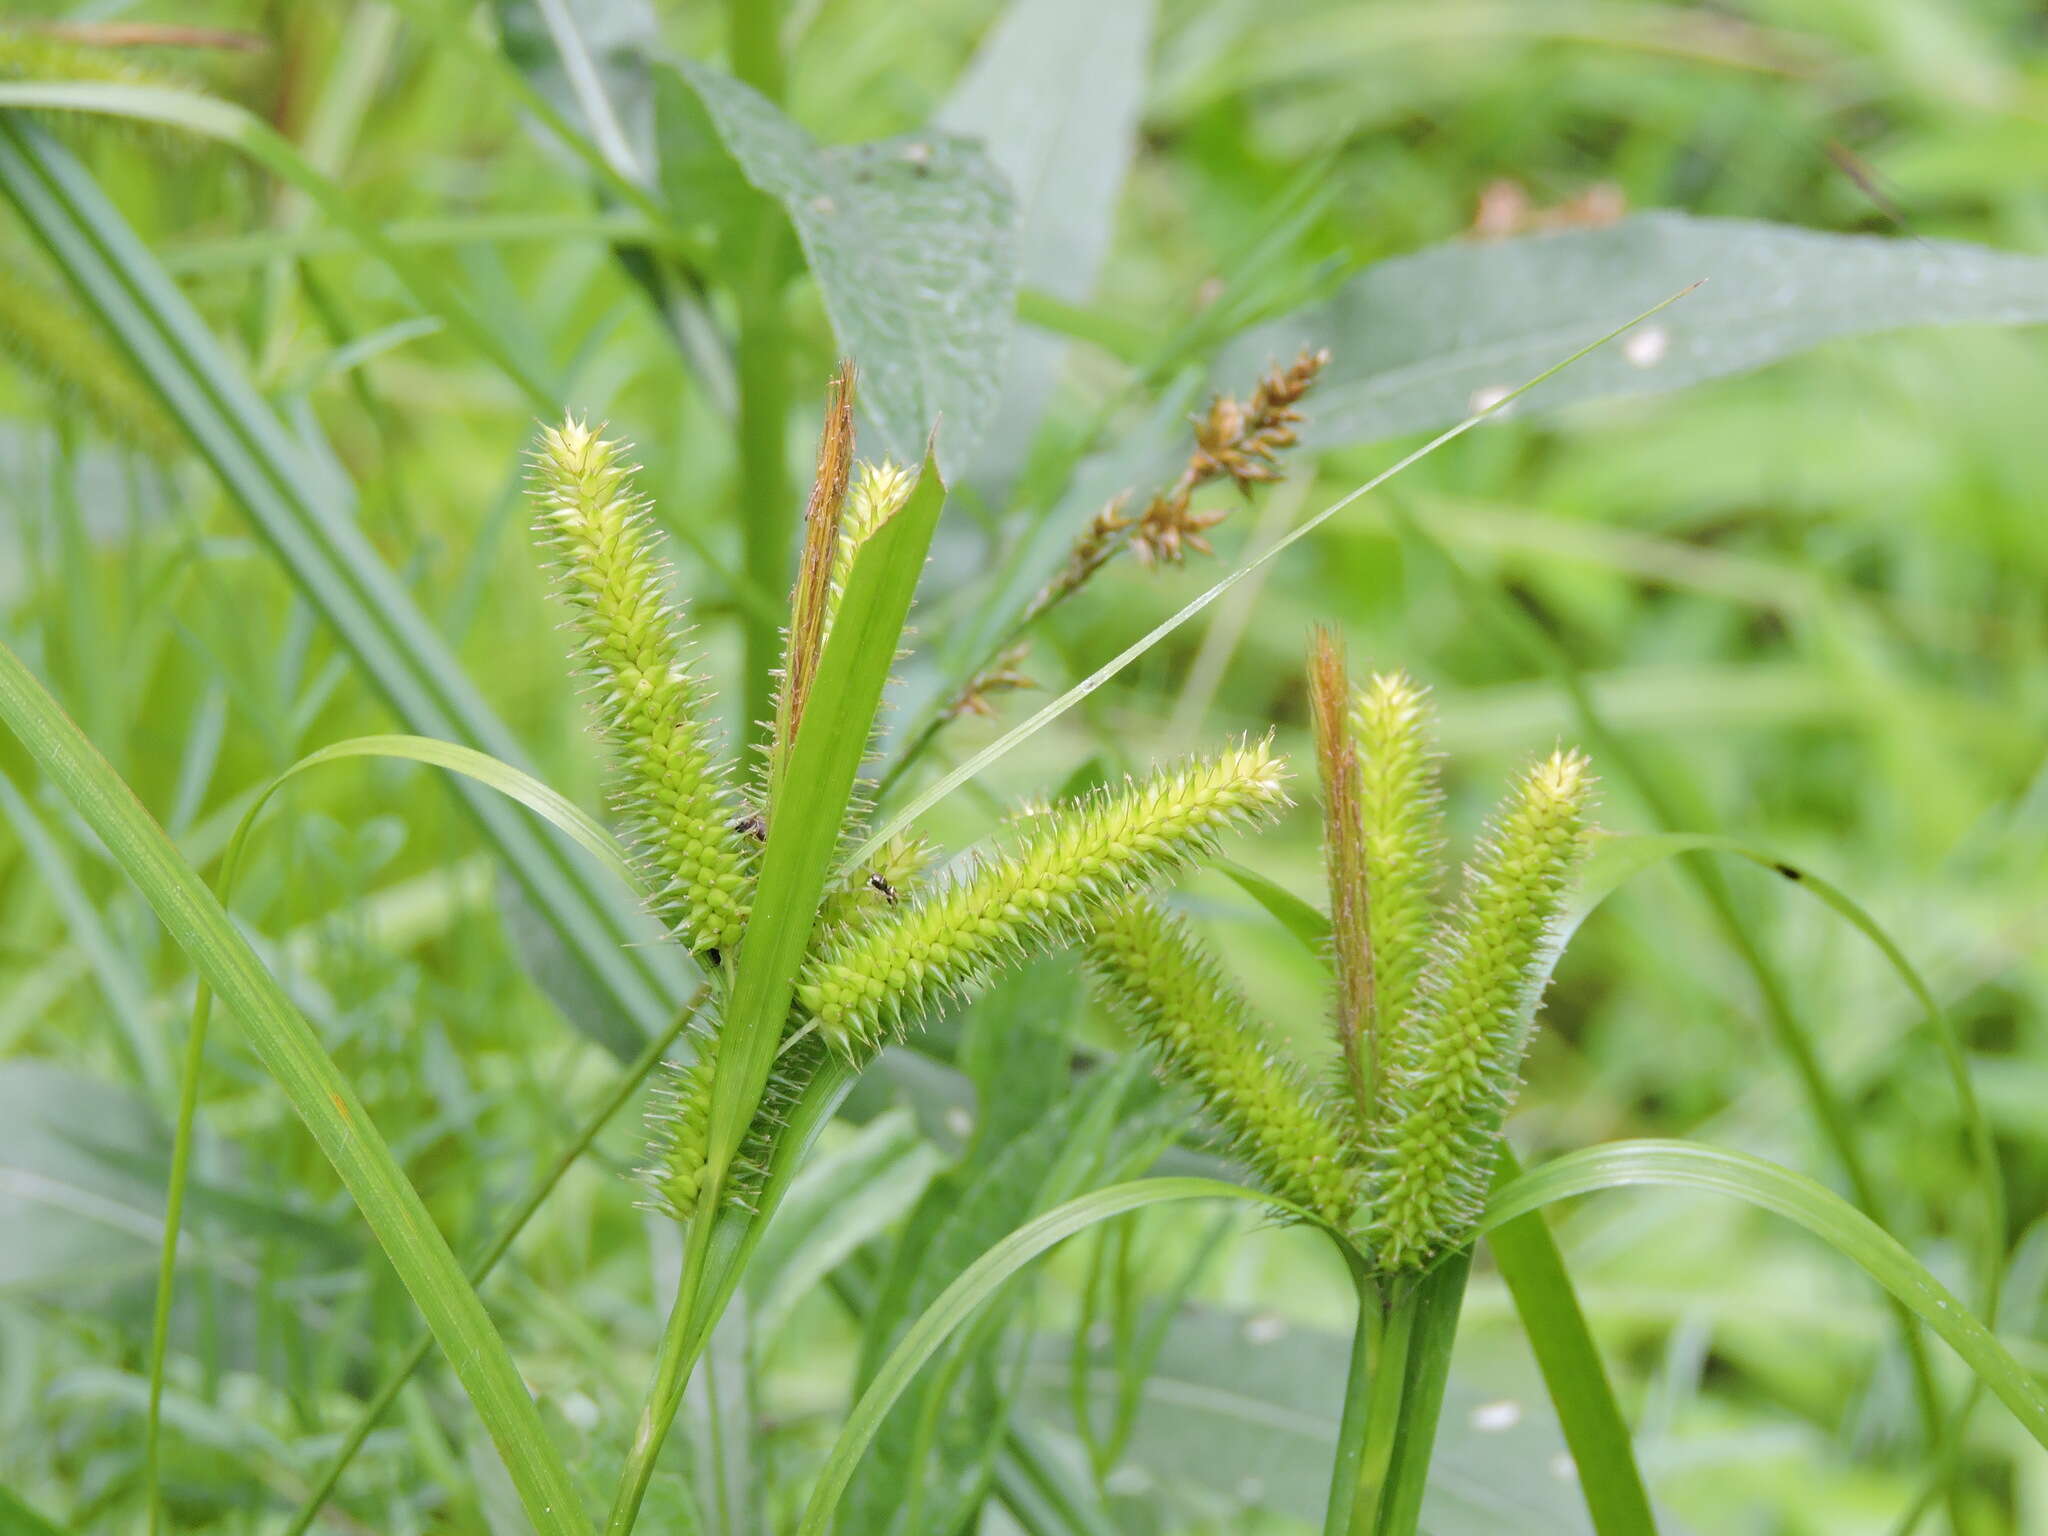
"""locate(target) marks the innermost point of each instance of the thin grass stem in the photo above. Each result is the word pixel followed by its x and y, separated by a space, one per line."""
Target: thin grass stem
pixel 374 1410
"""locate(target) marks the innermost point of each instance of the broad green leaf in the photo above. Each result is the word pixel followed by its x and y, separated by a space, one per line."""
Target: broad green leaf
pixel 1420 340
pixel 323 1098
pixel 309 522
pixel 1717 1170
pixel 1053 95
pixel 966 1295
pixel 910 240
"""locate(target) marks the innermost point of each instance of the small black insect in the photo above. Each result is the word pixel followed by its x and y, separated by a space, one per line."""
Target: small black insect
pixel 753 825
pixel 883 889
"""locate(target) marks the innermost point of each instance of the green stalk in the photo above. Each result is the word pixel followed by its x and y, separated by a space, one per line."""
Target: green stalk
pixel 754 40
pixel 681 1343
pixel 374 1410
pixel 1383 1414
pixel 1434 1302
pixel 766 494
pixel 1363 1412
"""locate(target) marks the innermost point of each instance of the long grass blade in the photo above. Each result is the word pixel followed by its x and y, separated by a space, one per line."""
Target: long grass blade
pixel 960 1300
pixel 236 126
pixel 481 768
pixel 1684 1165
pixel 307 521
pixel 324 1099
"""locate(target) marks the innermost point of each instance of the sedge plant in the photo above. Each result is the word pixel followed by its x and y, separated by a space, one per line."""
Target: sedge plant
pixel 1434 1000
pixel 883 943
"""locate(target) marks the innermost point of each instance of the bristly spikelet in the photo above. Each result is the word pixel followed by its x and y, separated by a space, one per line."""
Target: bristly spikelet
pixel 1066 869
pixel 678 817
pixel 678 1130
pixel 1400 805
pixel 1162 981
pixel 879 492
pixel 1464 1040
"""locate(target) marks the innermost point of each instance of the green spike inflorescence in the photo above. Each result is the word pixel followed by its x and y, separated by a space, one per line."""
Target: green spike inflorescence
pixel 1070 866
pixel 1168 988
pixel 678 815
pixel 878 494
pixel 1458 1055
pixel 1398 1148
pixel 1401 806
pixel 678 1125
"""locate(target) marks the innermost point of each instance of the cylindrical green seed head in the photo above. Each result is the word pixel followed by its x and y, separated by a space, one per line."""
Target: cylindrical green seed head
pixel 1401 808
pixel 1069 866
pixel 678 1130
pixel 678 818
pixel 1163 982
pixel 1466 1035
pixel 879 491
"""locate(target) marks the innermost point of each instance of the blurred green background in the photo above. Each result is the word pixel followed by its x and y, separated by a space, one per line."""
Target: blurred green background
pixel 1815 597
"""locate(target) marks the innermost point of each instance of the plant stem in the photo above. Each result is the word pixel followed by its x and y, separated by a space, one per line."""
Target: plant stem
pixel 375 1409
pixel 1383 1412
pixel 753 34
pixel 1434 1302
pixel 1362 1411
pixel 680 1344
pixel 167 1265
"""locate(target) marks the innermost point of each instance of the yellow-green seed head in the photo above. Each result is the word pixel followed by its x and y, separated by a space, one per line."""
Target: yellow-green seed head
pixel 679 1128
pixel 1401 807
pixel 678 817
pixel 1463 1042
pixel 879 491
pixel 1065 870
pixel 1163 982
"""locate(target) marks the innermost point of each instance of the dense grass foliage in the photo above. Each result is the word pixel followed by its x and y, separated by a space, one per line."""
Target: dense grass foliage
pixel 289 296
